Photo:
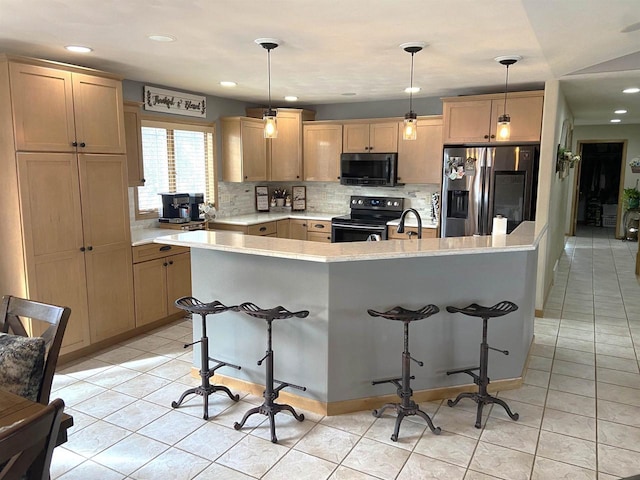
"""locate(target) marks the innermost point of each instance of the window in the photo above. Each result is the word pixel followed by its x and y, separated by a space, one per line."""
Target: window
pixel 177 157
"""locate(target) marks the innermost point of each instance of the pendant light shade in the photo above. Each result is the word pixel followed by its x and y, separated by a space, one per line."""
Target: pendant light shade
pixel 503 131
pixel 270 114
pixel 410 128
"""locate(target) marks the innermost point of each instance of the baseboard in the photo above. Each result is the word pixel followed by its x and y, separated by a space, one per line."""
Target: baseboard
pixel 357 404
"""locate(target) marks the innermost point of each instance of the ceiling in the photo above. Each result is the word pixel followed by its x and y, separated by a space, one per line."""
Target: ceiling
pixel 330 48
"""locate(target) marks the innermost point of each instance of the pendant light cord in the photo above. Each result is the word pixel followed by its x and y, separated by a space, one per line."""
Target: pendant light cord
pixel 269 75
pixel 411 86
pixel 506 88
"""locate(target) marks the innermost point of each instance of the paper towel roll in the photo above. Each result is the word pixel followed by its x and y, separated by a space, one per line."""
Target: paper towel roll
pixel 499 225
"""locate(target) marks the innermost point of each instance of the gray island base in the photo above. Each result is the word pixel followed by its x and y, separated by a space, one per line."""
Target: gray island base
pixel 339 349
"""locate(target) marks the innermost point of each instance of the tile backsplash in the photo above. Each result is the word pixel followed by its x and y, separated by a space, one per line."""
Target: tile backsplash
pixel 325 197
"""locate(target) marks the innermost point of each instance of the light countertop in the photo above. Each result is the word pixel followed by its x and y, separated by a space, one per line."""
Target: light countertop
pixel 523 238
pixel 255 218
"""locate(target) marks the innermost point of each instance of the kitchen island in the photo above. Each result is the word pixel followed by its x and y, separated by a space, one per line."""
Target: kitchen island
pixel 338 349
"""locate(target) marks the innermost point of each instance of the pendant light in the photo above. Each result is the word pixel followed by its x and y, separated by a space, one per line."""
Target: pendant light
pixel 410 128
pixel 503 132
pixel 269 117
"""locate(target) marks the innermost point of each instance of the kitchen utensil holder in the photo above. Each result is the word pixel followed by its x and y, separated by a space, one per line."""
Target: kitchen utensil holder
pixel 407 406
pixel 482 397
pixel 195 306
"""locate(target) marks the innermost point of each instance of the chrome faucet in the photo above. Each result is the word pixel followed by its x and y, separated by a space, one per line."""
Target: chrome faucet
pixel 417 215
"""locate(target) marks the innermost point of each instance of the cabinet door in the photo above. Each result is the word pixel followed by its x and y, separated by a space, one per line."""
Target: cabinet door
pixel 283 228
pixel 97 104
pixel 355 137
pixel 133 136
pixel 42 102
pixel 286 149
pixel 298 229
pixel 52 223
pixel 467 121
pixel 254 151
pixel 150 287
pixel 322 149
pixel 383 137
pixel 107 238
pixel 178 280
pixel 526 117
pixel 324 237
pixel 420 160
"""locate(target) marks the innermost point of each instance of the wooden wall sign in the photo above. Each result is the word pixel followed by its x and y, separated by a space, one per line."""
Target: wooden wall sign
pixel 177 103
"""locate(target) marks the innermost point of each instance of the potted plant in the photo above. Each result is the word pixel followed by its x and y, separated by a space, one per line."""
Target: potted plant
pixel 280 194
pixel 631 197
pixel 635 165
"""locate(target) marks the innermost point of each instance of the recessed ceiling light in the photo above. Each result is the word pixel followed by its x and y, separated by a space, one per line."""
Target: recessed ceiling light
pixel 78 49
pixel 158 37
pixel 228 84
pixel 412 90
pixel 620 112
pixel 615 120
pixel 291 98
pixel 631 90
pixel 349 94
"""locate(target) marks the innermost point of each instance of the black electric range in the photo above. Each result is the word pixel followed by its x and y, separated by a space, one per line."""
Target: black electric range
pixel 369 216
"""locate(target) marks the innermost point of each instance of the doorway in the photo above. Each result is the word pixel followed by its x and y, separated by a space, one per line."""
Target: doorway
pixel 598 185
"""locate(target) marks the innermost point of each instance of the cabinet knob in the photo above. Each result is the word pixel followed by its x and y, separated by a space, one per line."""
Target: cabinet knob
pixel 486 136
pixel 245 177
pixel 338 178
pixel 165 264
pixel 74 144
pixel 82 144
pixel 318 225
pixel 170 262
pixel 82 249
pixel 142 180
pixel 370 148
pixel 263 229
pixel 493 136
pixel 89 248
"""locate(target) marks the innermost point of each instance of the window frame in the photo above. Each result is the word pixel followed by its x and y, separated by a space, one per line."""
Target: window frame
pixel 170 123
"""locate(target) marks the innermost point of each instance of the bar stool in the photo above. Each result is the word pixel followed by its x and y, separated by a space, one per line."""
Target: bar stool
pixel 270 394
pixel 407 406
pixel 193 306
pixel 482 397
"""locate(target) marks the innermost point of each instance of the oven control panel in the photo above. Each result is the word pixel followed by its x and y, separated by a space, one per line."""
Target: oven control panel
pixel 387 204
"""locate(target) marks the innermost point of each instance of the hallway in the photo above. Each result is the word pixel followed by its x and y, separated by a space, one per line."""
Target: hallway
pixel 579 407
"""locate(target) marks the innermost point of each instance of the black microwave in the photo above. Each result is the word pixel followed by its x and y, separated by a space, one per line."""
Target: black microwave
pixel 375 169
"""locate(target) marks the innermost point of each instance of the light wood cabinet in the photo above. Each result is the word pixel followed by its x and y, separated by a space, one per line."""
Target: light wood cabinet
pixel 322 147
pixel 410 232
pixel 283 228
pixel 244 152
pixel 298 229
pixel 133 135
pixel 319 231
pixel 474 119
pixel 420 160
pixel 70 243
pixel 61 111
pixel 379 137
pixel 159 280
pixel 284 153
pixel 265 229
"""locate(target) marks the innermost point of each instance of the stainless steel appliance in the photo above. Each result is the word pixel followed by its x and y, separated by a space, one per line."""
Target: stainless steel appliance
pixel 482 182
pixel 379 169
pixel 175 208
pixel 368 217
pixel 195 200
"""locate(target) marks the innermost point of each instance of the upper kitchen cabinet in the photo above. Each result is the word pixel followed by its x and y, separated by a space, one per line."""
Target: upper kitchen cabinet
pixel 371 137
pixel 322 149
pixel 244 151
pixel 65 110
pixel 133 135
pixel 473 119
pixel 420 160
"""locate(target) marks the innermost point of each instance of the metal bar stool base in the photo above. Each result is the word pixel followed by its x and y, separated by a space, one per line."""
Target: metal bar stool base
pixel 403 384
pixel 482 397
pixel 269 407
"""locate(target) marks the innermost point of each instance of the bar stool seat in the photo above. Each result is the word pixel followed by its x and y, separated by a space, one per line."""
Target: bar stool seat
pixel 482 397
pixel 269 407
pixel 407 406
pixel 195 306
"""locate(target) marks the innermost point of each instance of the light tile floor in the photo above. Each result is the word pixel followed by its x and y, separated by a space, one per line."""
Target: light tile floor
pixel 579 408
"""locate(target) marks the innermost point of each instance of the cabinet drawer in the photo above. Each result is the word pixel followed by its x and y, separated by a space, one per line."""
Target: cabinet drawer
pixel 267 228
pixel 151 251
pixel 319 236
pixel 319 226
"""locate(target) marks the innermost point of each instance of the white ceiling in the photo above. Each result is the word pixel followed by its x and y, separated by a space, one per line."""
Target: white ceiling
pixel 332 47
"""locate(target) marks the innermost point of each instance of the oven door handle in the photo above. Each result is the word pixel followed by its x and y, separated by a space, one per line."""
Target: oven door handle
pixel 359 227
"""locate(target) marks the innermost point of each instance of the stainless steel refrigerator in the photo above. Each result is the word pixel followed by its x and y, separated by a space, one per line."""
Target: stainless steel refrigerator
pixel 480 183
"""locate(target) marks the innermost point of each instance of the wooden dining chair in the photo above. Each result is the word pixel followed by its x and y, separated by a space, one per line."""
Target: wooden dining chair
pixel 15 315
pixel 26 448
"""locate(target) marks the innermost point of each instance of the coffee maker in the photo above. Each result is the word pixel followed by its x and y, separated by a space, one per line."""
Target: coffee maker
pixel 175 208
pixel 195 200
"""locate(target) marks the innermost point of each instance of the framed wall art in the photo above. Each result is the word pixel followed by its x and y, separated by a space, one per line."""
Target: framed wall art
pixel 262 198
pixel 299 201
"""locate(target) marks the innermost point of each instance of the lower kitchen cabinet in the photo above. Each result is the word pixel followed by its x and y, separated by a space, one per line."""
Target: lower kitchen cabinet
pixel 392 233
pixel 319 231
pixel 161 275
pixel 298 229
